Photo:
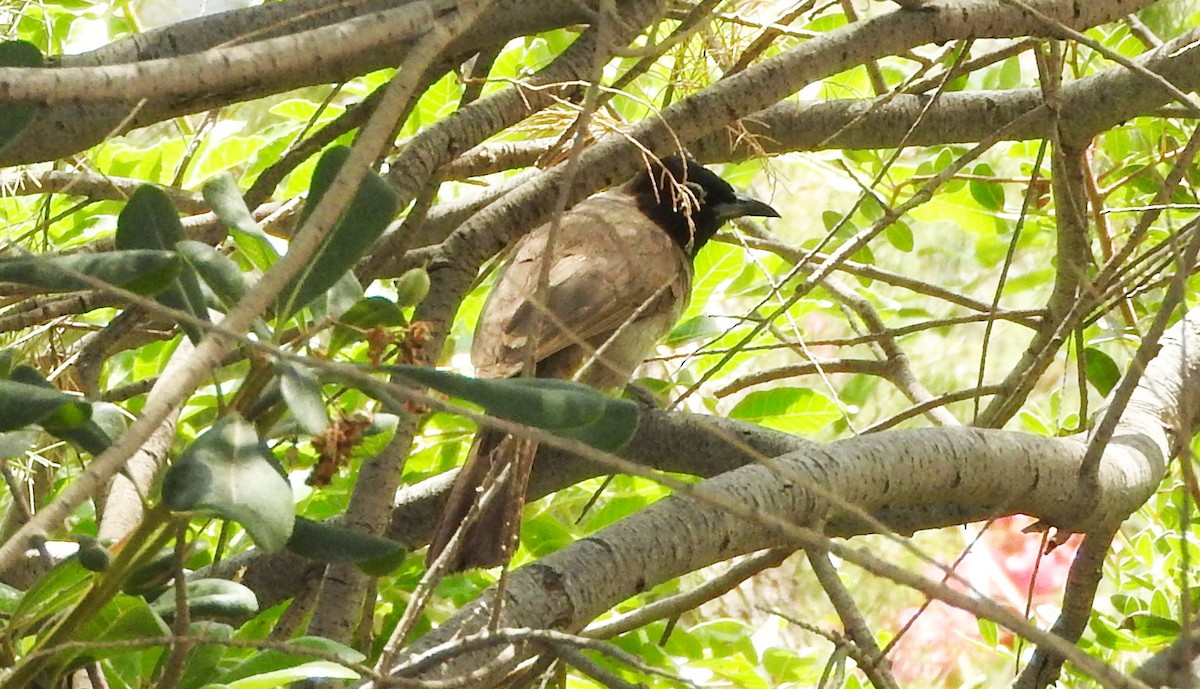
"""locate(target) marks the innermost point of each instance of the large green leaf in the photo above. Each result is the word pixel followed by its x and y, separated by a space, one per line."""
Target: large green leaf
pixel 302 394
pixel 329 543
pixel 228 471
pixel 217 270
pixel 124 618
pixel 793 410
pixel 211 598
pixel 271 660
pixel 612 431
pixel 225 199
pixel 60 588
pixel 566 408
pixel 365 218
pixel 317 669
pixel 67 422
pixel 205 660
pixel 22 404
pixel 1102 372
pixel 14 117
pixel 144 272
pixel 150 221
pixel 546 403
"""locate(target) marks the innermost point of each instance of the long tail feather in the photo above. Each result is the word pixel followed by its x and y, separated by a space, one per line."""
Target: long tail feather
pixel 490 539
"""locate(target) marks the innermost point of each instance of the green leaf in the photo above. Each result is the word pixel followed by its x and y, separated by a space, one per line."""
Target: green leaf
pixel 9 598
pixel 212 598
pixel 366 314
pixel 225 199
pixel 124 618
pixel 317 669
pixel 271 660
pixel 900 236
pixel 60 588
pixel 144 272
pixel 204 661
pixel 218 271
pixel 1102 372
pixel 565 408
pixel 988 194
pixel 338 299
pixel 15 117
pixel 151 574
pixel 693 330
pixel 612 431
pixel 69 423
pixel 22 404
pixel 794 410
pixel 228 471
pixel 365 218
pixel 150 221
pixel 988 632
pixel 328 543
pixel 302 394
pixel 540 402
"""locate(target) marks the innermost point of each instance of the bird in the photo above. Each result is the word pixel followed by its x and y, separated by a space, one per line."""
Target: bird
pixel 616 275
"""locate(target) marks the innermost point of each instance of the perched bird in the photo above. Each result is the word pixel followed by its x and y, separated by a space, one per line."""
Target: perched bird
pixel 619 277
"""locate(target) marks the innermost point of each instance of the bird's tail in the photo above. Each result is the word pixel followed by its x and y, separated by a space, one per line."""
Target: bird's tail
pixel 489 538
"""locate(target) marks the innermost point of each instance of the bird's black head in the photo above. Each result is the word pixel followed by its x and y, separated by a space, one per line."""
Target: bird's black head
pixel 690 201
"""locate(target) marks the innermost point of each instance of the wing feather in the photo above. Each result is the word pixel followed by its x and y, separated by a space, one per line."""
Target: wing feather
pixel 609 259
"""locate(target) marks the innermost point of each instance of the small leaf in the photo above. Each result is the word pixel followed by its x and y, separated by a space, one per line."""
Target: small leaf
pixel 540 402
pixel 15 117
pixel 365 218
pixel 144 272
pixel 900 236
pixel 211 598
pixel 218 271
pixel 225 199
pixel 327 543
pixel 228 471
pixel 302 393
pixel 987 193
pixel 794 410
pixel 1102 372
pixel 150 221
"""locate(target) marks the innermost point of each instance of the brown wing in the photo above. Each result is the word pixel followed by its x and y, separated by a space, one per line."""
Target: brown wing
pixel 608 260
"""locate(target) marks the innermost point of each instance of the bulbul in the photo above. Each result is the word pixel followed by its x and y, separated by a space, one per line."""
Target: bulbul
pixel 619 271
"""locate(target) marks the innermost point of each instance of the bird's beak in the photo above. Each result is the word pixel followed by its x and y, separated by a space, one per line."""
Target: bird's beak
pixel 744 205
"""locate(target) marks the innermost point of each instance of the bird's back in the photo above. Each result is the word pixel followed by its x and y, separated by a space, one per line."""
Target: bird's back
pixel 614 271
